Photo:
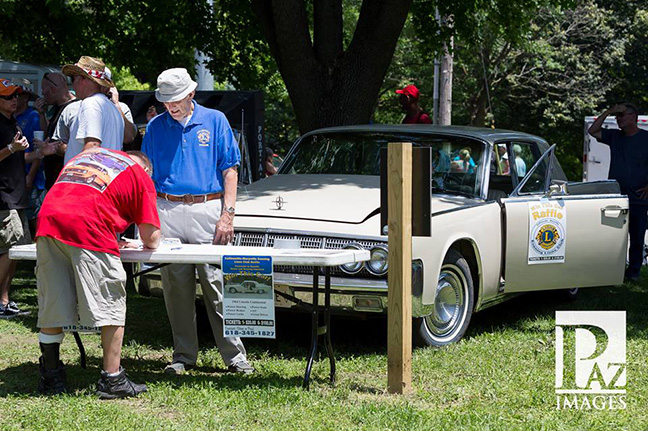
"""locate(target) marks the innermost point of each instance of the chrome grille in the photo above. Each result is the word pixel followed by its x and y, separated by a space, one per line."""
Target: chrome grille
pixel 257 239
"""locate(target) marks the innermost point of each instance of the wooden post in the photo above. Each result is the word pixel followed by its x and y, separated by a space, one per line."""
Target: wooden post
pixel 399 298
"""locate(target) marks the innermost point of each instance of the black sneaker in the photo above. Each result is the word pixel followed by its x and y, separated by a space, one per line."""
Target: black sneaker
pixel 118 386
pixel 11 310
pixel 51 382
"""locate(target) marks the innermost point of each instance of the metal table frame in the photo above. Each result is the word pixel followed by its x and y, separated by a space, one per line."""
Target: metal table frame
pixel 211 254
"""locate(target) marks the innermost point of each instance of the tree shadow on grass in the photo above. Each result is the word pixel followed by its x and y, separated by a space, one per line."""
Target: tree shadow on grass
pixel 517 312
pixel 22 379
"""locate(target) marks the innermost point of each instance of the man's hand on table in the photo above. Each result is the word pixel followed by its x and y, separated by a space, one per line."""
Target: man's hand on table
pixel 224 229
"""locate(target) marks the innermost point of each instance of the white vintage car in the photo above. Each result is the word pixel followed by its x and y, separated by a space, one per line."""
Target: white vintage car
pixel 503 220
pixel 248 286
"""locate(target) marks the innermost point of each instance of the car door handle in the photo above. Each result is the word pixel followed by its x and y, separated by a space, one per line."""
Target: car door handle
pixel 613 211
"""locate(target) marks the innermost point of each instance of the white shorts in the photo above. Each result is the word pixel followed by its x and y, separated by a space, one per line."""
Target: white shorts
pixel 78 286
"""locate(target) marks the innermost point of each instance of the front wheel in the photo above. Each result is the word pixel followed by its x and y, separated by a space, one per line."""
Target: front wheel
pixel 453 305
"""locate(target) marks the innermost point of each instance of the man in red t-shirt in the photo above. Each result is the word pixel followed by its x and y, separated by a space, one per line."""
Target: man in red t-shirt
pixel 79 274
pixel 409 98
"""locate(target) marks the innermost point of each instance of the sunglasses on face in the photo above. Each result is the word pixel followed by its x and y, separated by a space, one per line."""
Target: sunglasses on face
pixel 46 76
pixel 13 96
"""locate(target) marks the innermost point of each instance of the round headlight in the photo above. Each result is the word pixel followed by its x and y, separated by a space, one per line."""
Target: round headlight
pixel 379 261
pixel 352 267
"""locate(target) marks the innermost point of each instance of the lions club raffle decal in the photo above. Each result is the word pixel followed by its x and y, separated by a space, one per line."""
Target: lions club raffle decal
pixel 547 232
pixel 203 137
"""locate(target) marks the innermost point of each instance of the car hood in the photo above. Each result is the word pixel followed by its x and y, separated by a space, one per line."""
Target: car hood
pixel 349 199
pixel 335 198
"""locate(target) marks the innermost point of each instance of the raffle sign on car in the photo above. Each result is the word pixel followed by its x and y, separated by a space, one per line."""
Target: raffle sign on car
pixel 248 297
pixel 547 231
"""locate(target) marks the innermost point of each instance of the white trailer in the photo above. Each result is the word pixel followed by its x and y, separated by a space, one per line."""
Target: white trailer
pixel 17 72
pixel 596 156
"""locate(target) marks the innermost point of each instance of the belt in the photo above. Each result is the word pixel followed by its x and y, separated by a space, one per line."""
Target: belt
pixel 190 199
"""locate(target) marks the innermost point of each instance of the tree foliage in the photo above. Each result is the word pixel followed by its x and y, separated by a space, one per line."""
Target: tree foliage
pixel 533 65
pixel 145 36
pixel 541 74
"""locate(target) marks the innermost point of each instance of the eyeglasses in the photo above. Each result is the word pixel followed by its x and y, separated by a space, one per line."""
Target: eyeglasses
pixel 13 96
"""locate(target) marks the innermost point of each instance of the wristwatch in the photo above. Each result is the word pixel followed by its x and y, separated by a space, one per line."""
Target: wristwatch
pixel 230 210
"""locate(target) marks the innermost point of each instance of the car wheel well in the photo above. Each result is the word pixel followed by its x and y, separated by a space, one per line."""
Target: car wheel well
pixel 467 250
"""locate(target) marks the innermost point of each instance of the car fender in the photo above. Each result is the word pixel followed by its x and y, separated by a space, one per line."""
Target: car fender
pixel 459 229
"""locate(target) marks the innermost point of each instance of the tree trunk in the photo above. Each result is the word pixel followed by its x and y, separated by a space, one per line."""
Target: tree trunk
pixel 330 86
pixel 445 86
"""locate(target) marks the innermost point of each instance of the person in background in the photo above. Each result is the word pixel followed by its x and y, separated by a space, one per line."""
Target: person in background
pixel 29 121
pixel 64 107
pixel 520 164
pixel 268 165
pixel 629 167
pixel 79 274
pixel 463 162
pixel 195 159
pixel 130 129
pixel 409 100
pixel 14 200
pixel 151 113
pixel 504 165
pixel 99 123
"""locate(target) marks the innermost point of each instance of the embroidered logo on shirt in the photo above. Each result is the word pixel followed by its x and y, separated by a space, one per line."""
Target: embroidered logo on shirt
pixel 203 137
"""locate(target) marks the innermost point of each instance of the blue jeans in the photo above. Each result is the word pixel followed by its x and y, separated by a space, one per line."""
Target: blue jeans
pixel 637 232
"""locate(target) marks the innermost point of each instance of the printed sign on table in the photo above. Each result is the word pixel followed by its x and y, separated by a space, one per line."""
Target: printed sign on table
pixel 248 297
pixel 547 232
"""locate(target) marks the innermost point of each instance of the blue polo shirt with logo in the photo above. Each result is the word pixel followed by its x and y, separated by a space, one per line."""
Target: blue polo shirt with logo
pixel 190 159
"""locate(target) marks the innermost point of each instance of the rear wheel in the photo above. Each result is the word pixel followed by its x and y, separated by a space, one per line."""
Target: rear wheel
pixel 453 305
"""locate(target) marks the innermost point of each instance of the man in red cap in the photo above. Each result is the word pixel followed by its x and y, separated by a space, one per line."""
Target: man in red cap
pixel 409 97
pixel 13 193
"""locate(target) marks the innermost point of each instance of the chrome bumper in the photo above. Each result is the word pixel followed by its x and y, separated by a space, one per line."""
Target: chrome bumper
pixel 348 295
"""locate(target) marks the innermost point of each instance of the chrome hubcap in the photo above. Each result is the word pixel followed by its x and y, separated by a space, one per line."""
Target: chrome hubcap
pixel 450 303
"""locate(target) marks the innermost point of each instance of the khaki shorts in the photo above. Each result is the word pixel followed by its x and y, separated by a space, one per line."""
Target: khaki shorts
pixel 14 229
pixel 78 286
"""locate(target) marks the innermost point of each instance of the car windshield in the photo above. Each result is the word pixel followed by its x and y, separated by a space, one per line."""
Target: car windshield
pixel 456 161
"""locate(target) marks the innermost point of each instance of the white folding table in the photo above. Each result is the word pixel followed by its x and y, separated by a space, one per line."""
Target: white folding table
pixel 203 253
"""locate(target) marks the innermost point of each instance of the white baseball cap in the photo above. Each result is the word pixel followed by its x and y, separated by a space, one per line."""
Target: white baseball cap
pixel 174 84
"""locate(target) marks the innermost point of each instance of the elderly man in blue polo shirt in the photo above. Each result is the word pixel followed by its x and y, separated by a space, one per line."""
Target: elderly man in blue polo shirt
pixel 195 157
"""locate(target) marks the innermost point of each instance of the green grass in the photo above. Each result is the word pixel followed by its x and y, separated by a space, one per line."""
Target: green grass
pixel 500 377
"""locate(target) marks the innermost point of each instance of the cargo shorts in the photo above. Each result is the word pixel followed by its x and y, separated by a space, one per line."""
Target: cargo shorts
pixel 78 286
pixel 14 229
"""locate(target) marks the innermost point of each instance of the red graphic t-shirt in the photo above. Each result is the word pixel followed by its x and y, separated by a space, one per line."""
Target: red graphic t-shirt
pixel 97 195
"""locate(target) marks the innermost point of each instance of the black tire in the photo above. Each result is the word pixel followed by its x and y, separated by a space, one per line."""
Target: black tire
pixel 454 306
pixel 232 290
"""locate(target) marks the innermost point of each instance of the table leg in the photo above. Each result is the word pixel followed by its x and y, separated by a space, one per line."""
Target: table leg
pixel 327 323
pixel 314 325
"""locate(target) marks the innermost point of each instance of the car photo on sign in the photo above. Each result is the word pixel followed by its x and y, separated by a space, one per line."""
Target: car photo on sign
pixel 251 287
pixel 504 220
